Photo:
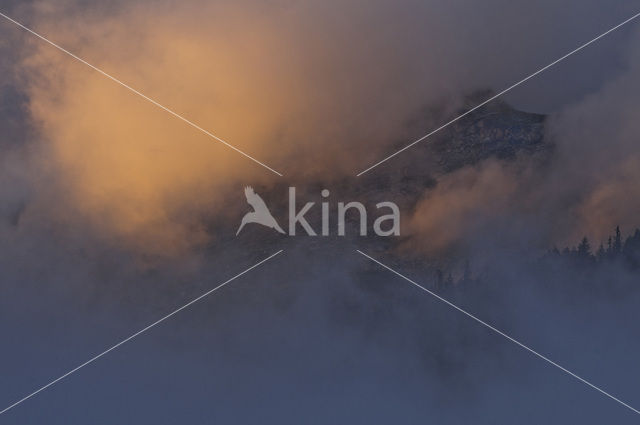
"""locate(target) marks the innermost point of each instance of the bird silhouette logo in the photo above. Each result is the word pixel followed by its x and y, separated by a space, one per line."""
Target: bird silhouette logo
pixel 260 213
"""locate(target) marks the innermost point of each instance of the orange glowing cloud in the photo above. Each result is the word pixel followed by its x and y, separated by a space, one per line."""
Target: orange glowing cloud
pixel 299 87
pixel 128 166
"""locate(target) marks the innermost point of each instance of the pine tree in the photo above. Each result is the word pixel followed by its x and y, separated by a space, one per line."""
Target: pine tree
pixel 584 249
pixel 601 254
pixel 631 250
pixel 617 243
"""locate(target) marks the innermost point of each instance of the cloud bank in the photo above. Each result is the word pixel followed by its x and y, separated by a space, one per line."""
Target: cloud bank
pixel 315 90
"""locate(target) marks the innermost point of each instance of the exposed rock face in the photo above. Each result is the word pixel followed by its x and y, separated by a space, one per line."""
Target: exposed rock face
pixel 495 131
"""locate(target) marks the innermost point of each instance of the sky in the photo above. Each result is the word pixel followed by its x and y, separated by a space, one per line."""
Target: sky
pixel 113 212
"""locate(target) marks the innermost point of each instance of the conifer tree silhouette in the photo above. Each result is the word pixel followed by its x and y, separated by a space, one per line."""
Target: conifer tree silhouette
pixel 617 243
pixel 584 249
pixel 601 254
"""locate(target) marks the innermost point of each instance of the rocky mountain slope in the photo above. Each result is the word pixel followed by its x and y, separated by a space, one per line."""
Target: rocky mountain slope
pixel 495 131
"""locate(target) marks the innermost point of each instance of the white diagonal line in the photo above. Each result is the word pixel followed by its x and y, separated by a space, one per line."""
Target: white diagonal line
pixel 532 351
pixel 175 114
pixel 136 334
pixel 501 93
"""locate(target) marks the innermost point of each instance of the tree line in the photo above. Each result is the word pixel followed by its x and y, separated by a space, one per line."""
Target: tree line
pixel 616 251
pixel 619 249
